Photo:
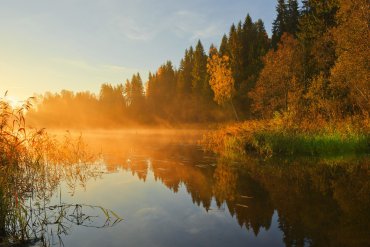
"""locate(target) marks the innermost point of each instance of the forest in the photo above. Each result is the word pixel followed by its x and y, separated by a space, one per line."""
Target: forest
pixel 314 69
pixel 268 133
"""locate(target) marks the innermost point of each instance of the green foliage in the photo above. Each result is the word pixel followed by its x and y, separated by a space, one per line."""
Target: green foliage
pixel 279 24
pixel 184 84
pixel 246 44
pixel 325 144
pixel 286 20
pixel 278 137
pixel 317 19
pixel 199 71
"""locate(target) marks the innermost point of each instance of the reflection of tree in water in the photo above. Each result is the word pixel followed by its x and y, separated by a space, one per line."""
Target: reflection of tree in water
pixel 175 167
pixel 139 168
pixel 226 178
pixel 246 199
pixel 310 202
pixel 319 203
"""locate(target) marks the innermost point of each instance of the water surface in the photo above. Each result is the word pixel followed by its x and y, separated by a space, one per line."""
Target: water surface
pixel 171 193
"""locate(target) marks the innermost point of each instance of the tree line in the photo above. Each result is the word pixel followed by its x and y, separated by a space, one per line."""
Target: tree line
pixel 315 66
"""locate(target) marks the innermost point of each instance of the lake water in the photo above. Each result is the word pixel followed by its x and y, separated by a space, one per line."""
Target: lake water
pixel 170 192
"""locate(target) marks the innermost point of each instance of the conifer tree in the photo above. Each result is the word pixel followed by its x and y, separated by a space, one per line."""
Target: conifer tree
pixel 137 90
pixel 262 42
pixel 137 102
pixel 292 17
pixel 224 47
pixel 235 49
pixel 199 69
pixel 184 83
pixel 279 25
pixel 318 17
pixel 248 42
pixel 127 93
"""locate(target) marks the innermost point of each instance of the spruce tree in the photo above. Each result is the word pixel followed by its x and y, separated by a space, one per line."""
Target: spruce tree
pixel 184 83
pixel 224 49
pixel 199 69
pixel 235 49
pixel 318 17
pixel 263 41
pixel 137 94
pixel 279 25
pixel 292 17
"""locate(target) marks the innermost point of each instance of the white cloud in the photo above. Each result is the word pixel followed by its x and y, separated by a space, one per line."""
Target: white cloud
pixel 150 213
pixel 210 31
pixel 183 23
pixel 96 68
pixel 195 25
pixel 133 29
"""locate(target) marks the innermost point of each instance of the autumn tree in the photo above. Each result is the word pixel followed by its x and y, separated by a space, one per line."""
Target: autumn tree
pixel 318 18
pixel 319 105
pixel 246 44
pixel 278 87
pixel 350 75
pixel 221 79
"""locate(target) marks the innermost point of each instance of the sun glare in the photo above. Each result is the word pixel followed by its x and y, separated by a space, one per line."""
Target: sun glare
pixel 13 101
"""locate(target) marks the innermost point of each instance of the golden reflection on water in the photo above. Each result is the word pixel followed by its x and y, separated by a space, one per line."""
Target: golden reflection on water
pixel 32 177
pixel 315 199
pixel 324 202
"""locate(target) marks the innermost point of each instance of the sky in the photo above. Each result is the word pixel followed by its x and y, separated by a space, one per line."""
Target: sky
pixel 79 44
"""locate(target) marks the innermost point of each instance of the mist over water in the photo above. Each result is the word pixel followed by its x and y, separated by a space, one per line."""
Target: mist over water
pixel 172 193
pixel 259 139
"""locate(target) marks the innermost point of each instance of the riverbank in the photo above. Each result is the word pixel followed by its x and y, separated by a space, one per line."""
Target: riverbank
pixel 276 137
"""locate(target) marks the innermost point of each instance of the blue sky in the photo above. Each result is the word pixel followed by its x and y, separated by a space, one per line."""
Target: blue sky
pixel 78 44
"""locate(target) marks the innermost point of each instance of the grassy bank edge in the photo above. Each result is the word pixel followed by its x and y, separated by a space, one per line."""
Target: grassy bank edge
pixel 269 138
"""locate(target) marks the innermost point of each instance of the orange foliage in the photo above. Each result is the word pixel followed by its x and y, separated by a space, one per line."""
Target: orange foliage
pixel 350 75
pixel 278 87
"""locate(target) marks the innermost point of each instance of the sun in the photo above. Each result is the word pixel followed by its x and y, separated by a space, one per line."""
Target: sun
pixel 14 102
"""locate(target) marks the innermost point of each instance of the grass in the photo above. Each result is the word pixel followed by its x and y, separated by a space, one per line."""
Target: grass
pixel 32 164
pixel 275 137
pixel 316 144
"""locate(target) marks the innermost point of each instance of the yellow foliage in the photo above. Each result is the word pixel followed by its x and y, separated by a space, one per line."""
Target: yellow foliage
pixel 221 79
